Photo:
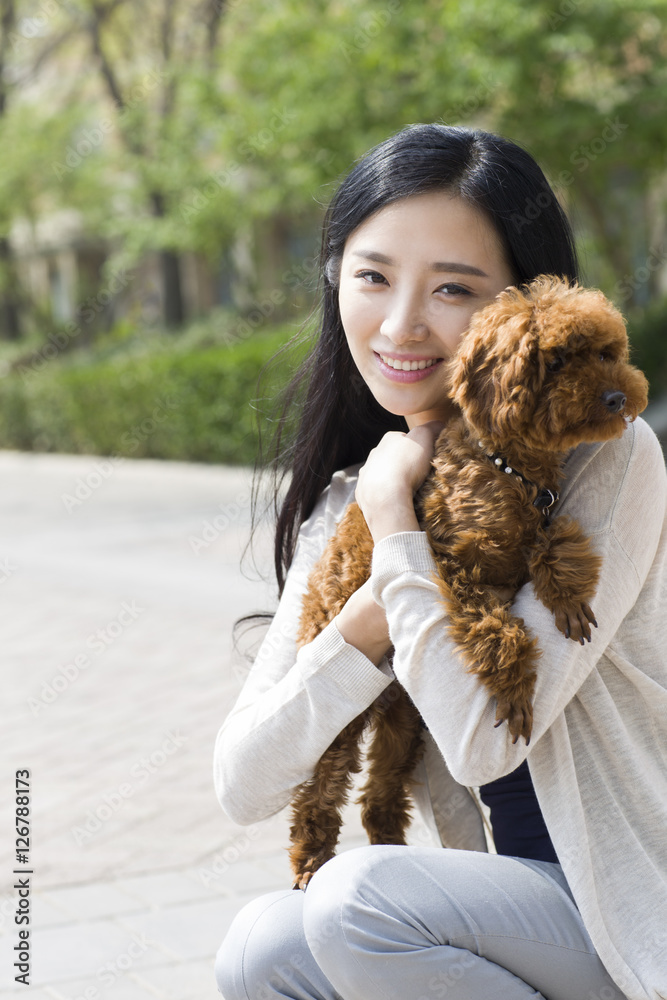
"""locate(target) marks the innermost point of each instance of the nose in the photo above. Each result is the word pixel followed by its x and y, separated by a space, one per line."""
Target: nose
pixel 614 400
pixel 404 321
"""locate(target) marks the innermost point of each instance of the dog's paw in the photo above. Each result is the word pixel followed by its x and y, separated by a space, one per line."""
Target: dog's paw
pixel 305 867
pixel 303 880
pixel 575 620
pixel 518 713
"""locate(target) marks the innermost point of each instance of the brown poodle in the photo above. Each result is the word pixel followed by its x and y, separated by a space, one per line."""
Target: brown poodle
pixel 539 371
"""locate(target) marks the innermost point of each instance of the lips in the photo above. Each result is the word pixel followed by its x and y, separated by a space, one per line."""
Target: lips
pixel 412 369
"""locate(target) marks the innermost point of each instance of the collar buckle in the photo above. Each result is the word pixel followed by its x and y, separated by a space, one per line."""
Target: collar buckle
pixel 546 499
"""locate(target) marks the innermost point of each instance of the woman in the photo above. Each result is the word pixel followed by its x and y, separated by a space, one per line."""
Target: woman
pixel 427 229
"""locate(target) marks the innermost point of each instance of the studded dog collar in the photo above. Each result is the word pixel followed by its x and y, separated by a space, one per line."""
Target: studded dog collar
pixel 545 498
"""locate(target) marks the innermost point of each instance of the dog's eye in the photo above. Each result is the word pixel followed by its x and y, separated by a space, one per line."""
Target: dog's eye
pixel 604 356
pixel 555 364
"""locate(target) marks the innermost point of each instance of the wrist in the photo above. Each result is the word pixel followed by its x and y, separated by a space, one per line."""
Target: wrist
pixel 362 623
pixel 391 517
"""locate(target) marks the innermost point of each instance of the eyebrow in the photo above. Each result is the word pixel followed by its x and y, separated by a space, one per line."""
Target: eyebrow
pixel 451 266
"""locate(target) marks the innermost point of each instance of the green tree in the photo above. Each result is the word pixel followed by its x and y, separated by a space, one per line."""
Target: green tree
pixel 130 91
pixel 580 82
pixel 176 125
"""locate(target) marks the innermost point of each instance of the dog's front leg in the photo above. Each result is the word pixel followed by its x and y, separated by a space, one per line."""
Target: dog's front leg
pixel 565 571
pixel 494 644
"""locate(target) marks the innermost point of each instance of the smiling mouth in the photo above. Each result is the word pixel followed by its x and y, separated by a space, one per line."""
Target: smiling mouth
pixel 408 366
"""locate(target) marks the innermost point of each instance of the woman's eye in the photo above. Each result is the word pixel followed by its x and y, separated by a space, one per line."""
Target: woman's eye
pixel 453 289
pixel 372 277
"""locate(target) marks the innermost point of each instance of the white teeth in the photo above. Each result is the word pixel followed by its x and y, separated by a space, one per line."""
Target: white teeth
pixel 407 366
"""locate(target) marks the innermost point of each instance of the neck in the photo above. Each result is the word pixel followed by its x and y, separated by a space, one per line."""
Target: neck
pixel 445 412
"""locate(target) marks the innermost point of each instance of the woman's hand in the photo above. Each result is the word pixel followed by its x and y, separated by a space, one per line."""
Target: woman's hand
pixel 393 472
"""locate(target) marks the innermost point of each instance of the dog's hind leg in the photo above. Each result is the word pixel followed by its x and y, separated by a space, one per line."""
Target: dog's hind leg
pixel 396 749
pixel 317 803
pixel 342 569
pixel 565 571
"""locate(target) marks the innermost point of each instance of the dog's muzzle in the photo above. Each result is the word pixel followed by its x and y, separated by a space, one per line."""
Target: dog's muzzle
pixel 614 400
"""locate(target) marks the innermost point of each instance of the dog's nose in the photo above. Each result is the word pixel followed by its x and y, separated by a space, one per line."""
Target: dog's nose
pixel 614 400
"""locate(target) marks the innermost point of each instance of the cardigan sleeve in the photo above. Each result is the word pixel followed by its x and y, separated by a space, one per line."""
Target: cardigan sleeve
pixel 293 703
pixel 619 498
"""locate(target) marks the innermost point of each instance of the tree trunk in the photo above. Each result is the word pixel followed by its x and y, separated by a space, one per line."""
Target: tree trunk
pixel 10 320
pixel 174 314
pixel 170 267
pixel 10 317
pixel 617 250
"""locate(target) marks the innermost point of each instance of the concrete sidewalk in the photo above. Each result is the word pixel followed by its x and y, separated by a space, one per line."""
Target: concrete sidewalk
pixel 120 582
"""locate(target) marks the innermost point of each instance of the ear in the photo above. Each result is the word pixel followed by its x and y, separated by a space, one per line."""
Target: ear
pixel 496 367
pixel 517 381
pixel 470 374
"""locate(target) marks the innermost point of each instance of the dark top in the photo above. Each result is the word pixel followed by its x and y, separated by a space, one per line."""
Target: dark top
pixel 516 819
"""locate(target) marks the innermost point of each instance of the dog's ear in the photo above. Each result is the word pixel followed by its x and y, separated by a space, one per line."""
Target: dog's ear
pixel 517 380
pixel 470 376
pixel 496 372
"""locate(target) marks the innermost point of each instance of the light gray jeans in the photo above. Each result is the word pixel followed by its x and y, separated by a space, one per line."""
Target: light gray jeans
pixel 415 923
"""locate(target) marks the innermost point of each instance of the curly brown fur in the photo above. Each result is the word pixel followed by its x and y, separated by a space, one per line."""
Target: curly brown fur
pixel 539 371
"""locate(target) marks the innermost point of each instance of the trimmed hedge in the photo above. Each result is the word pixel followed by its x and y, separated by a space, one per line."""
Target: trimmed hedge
pixel 192 405
pixel 177 399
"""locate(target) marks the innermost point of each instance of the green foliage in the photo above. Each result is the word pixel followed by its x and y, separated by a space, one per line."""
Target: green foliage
pixel 581 84
pixel 193 405
pixel 183 134
pixel 230 131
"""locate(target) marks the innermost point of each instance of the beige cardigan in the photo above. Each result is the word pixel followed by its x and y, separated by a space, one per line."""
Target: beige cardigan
pixel 598 754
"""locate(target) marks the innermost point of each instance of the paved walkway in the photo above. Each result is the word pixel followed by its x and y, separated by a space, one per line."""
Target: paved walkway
pixel 119 584
pixel 120 581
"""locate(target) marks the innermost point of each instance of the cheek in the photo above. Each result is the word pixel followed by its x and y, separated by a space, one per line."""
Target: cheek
pixel 345 302
pixel 453 327
pixel 359 319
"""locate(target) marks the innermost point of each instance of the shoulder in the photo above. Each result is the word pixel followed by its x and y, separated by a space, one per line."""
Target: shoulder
pixel 331 504
pixel 619 484
pixel 609 464
pixel 341 489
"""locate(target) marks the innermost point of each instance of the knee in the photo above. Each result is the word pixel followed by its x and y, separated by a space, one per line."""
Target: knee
pixel 252 955
pixel 343 897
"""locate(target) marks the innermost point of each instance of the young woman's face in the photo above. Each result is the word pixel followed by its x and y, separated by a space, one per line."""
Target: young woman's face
pixel 411 277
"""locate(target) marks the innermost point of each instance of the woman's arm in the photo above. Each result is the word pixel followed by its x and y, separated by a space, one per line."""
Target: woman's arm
pixel 293 705
pixel 388 502
pixel 620 500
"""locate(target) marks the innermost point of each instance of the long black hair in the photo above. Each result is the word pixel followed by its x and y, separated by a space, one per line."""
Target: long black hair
pixel 338 419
